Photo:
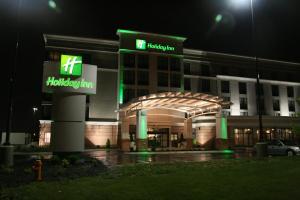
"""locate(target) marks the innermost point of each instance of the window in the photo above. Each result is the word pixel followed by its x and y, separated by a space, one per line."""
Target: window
pixel 143 61
pixel 243 103
pixel 275 90
pixel 176 80
pixel 162 79
pixel 128 94
pixel 187 68
pixel 187 84
pixel 225 87
pixel 290 91
pixel 243 88
pixel 226 99
pixel 129 77
pixel 162 63
pixel 143 77
pixel 205 85
pixel 276 105
pixel 47 138
pixel 243 137
pixel 205 70
pixel 291 106
pixel 142 92
pixel 175 64
pixel 129 60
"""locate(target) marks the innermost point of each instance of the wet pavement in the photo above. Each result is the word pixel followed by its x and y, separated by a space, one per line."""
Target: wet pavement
pixel 112 158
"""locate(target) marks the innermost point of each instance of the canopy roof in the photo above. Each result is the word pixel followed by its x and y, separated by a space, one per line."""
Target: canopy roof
pixel 194 104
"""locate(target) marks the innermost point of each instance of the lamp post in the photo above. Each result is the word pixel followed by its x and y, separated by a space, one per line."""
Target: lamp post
pixel 261 146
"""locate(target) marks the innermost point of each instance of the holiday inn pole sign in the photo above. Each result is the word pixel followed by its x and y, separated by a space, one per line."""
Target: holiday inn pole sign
pixel 70 75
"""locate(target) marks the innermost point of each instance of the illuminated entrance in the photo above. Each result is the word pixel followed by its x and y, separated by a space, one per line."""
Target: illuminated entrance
pixel 164 120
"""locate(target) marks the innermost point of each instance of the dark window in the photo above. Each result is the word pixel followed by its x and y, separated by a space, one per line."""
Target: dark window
pixel 275 90
pixel 205 70
pixel 187 68
pixel 128 94
pixel 162 79
pixel 291 106
pixel 242 88
pixel 276 105
pixel 142 92
pixel 175 64
pixel 243 103
pixel 226 99
pixel 129 77
pixel 46 111
pixel 143 61
pixel 175 80
pixel 162 63
pixel 225 87
pixel 129 60
pixel 187 84
pixel 205 85
pixel 224 70
pixel 261 87
pixel 290 91
pixel 143 77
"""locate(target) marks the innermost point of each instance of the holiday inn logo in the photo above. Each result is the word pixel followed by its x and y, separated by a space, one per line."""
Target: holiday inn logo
pixel 140 44
pixel 70 65
pixel 143 45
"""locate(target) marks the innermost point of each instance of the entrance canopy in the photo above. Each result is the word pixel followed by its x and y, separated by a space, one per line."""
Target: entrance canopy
pixel 193 104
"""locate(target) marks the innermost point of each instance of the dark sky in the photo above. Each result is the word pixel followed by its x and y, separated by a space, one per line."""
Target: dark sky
pixel 276 23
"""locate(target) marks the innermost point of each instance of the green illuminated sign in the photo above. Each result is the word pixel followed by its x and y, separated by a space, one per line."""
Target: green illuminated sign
pixel 143 45
pixel 67 82
pixel 140 44
pixel 70 65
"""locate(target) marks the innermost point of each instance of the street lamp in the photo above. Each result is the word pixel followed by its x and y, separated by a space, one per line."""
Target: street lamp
pixel 261 146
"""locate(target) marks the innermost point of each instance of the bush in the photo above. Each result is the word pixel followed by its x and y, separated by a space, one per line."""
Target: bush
pixel 73 159
pixel 65 163
pixel 55 160
pixel 108 144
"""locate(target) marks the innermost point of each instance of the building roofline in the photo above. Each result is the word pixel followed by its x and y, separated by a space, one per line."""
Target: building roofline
pixel 185 50
pixel 123 31
pixel 201 52
pixel 79 39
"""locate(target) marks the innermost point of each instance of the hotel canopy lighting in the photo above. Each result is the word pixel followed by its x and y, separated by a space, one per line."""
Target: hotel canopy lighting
pixel 194 104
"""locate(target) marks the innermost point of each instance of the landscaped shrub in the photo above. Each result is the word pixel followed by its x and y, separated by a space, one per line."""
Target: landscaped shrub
pixel 55 160
pixel 108 144
pixel 65 163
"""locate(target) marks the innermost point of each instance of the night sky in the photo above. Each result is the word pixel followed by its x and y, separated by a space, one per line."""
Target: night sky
pixel 276 23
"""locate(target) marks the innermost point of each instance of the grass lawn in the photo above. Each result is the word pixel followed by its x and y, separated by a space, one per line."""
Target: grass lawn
pixel 271 178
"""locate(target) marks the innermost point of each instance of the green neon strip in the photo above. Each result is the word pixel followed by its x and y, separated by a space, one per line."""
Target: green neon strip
pixel 136 51
pixel 121 86
pixel 223 128
pixel 143 127
pixel 154 34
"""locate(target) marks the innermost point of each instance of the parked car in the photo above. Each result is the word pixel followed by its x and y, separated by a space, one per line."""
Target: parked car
pixel 279 147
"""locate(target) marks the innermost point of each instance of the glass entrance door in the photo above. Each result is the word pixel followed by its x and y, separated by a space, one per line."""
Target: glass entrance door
pixel 158 138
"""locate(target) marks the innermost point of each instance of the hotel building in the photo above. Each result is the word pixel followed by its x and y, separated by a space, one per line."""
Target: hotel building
pixel 152 93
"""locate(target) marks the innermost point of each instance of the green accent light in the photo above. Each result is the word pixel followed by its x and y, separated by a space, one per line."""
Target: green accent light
pixel 218 18
pixel 153 34
pixel 223 128
pixel 143 126
pixel 67 82
pixel 121 85
pixel 71 65
pixel 227 151
pixel 135 51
